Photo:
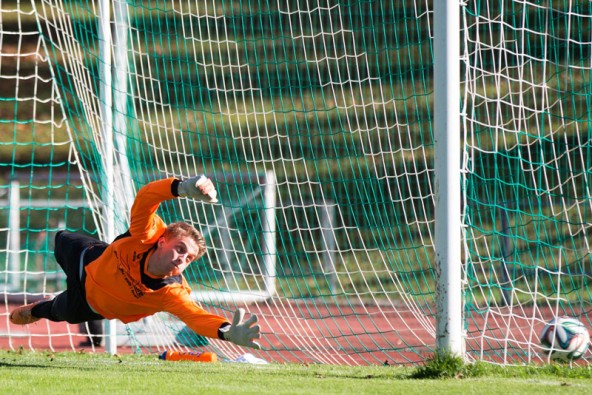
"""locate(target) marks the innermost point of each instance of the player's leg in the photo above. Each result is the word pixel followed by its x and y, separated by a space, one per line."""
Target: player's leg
pixel 70 306
pixel 68 249
pixel 72 252
pixel 23 315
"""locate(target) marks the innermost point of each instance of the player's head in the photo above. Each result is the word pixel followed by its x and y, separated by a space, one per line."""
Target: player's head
pixel 184 230
pixel 179 245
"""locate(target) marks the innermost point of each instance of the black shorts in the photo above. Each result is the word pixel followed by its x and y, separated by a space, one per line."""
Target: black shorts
pixel 68 251
pixel 73 252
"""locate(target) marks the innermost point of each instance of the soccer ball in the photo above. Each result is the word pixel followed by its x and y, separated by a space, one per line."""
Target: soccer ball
pixel 565 338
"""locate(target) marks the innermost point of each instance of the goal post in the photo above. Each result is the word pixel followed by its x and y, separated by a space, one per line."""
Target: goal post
pixel 447 178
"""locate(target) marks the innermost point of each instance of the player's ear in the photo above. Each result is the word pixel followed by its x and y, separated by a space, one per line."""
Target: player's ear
pixel 160 241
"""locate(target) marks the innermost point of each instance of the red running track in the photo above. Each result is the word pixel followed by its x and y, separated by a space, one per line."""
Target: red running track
pixel 334 334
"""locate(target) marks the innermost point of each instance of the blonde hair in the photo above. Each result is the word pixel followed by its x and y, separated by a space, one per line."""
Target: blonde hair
pixel 183 229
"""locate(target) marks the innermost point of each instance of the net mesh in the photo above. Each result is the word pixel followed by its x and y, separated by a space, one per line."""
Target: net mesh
pixel 315 121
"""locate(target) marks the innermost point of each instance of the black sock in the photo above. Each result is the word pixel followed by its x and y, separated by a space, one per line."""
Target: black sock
pixel 42 309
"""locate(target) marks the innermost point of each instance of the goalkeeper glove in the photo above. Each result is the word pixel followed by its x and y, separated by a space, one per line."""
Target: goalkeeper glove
pixel 199 188
pixel 243 333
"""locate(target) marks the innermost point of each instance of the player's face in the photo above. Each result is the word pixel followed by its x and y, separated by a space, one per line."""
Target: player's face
pixel 172 256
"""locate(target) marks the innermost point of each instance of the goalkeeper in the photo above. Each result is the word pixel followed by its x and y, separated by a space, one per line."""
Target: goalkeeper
pixel 140 273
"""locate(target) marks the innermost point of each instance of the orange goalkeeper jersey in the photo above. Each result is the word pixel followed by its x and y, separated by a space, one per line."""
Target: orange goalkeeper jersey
pixel 117 285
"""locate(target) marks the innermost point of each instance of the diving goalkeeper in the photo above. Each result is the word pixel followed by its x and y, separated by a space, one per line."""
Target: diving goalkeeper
pixel 140 273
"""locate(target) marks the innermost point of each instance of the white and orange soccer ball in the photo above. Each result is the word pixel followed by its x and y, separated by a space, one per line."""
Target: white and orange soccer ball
pixel 565 338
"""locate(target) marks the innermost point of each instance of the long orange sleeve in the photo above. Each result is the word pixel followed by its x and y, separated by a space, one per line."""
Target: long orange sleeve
pixel 114 286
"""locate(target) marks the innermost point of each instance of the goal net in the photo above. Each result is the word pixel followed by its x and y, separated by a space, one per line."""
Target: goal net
pixel 314 119
pixel 527 142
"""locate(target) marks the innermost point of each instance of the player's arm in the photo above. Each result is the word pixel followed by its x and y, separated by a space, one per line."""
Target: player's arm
pixel 243 333
pixel 143 218
pixel 143 213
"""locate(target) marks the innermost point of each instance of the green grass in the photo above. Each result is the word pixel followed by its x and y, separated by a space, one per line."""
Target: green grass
pixel 55 373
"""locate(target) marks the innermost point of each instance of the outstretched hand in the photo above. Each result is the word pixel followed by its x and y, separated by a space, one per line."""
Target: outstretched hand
pixel 199 188
pixel 244 333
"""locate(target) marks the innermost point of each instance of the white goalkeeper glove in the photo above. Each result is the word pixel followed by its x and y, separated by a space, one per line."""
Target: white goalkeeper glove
pixel 243 333
pixel 199 188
